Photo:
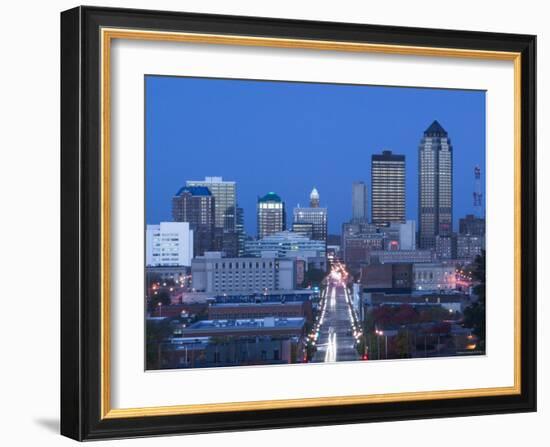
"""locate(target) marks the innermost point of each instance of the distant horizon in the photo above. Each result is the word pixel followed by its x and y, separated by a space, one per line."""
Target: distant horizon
pixel 289 138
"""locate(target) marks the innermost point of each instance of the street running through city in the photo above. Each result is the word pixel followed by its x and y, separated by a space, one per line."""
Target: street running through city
pixel 336 331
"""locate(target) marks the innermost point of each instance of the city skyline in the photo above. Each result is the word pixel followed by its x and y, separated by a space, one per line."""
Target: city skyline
pixel 298 157
pixel 165 141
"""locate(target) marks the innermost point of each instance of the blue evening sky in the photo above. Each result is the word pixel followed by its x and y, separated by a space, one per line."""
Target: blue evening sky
pixel 289 137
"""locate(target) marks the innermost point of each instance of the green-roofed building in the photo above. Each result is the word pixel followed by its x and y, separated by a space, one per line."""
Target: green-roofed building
pixel 271 215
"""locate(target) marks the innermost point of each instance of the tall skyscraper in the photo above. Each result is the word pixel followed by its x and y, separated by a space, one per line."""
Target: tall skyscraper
pixel 271 215
pixel 239 228
pixel 225 213
pixel 435 186
pixel 387 188
pixel 195 204
pixel 359 202
pixel 314 215
pixel 225 197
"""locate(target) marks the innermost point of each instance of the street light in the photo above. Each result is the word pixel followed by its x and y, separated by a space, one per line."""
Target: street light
pixel 381 333
pixel 377 332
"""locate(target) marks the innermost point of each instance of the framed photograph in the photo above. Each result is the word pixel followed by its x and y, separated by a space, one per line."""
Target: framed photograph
pixel 276 223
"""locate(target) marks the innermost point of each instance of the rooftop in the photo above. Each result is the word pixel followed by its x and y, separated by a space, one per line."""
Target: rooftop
pixel 260 304
pixel 387 155
pixel 286 236
pixel 435 130
pixel 269 296
pixel 418 297
pixel 210 180
pixel 270 197
pixel 194 191
pixel 249 323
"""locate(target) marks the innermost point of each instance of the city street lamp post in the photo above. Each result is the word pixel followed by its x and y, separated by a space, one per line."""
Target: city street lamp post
pixel 378 333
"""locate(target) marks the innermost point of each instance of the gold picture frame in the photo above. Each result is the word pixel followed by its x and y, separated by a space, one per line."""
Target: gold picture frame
pixel 517 49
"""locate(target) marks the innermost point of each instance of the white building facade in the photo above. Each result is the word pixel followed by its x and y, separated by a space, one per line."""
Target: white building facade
pixel 401 235
pixel 168 244
pixel 214 274
pixel 407 235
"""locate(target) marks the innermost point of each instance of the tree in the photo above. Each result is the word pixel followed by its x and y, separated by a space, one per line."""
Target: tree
pixel 435 313
pixel 402 344
pixel 406 314
pixel 373 343
pixel 474 315
pixel 442 328
pixel 162 296
pixel 153 278
pixel 383 316
pixel 156 332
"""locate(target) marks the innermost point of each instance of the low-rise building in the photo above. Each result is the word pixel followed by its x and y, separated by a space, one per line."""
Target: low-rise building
pixel 214 274
pixel 355 251
pixel 387 276
pixel 358 248
pixel 178 310
pixel 471 225
pixel 445 246
pixel 293 309
pixel 400 256
pixel 469 246
pixel 215 352
pixel 178 274
pixel 268 296
pixel 453 302
pixel 268 326
pixel 434 276
pixel 286 244
pixel 400 235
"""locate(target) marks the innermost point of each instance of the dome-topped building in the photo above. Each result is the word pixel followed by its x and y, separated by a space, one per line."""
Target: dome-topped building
pixel 312 221
pixel 314 198
pixel 271 215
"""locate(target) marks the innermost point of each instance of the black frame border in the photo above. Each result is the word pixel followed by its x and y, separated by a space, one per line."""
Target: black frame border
pixel 81 223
